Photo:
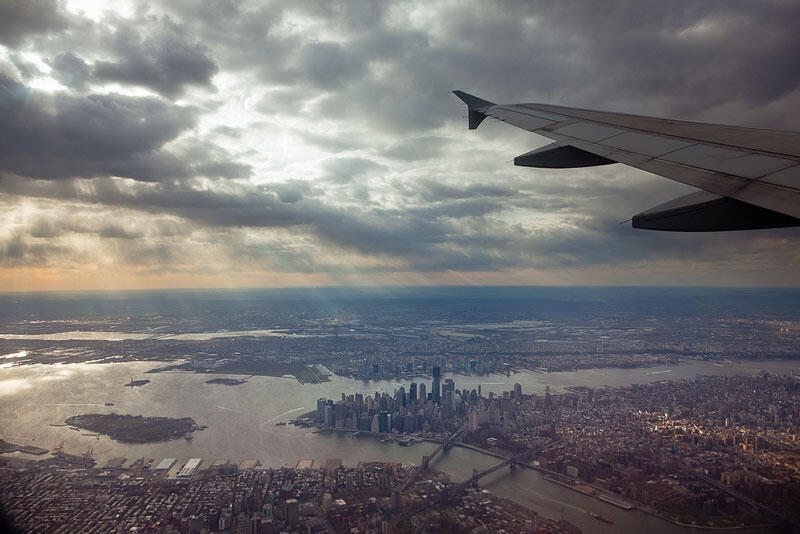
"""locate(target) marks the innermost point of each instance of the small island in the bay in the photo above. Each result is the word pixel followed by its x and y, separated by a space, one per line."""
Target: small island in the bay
pixel 228 381
pixel 135 428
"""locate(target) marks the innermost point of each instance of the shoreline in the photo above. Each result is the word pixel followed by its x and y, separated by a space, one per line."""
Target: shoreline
pixel 623 503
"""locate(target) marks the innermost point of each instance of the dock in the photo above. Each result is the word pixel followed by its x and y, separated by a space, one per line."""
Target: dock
pixel 5 447
pixel 591 492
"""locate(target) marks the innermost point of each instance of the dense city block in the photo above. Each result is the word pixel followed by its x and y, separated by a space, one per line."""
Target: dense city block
pixel 717 451
pixel 249 499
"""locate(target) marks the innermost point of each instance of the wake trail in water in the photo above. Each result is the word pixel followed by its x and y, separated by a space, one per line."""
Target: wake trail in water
pixel 281 415
pixel 658 372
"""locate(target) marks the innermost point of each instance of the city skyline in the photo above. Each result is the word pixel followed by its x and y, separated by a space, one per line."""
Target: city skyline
pixel 168 145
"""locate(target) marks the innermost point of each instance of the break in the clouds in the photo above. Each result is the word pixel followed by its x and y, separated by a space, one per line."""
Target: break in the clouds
pixel 306 142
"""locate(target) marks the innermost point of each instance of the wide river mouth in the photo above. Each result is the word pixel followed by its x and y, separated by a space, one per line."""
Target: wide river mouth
pixel 242 422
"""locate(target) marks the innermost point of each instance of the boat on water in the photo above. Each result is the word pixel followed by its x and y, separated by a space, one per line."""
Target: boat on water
pixel 601 518
pixel 280 423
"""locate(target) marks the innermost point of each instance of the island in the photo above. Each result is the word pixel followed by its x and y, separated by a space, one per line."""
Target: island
pixel 227 381
pixel 135 428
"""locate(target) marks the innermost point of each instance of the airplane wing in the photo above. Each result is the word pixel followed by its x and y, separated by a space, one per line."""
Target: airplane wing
pixel 749 177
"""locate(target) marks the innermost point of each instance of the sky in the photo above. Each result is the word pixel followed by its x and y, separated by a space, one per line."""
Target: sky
pixel 179 143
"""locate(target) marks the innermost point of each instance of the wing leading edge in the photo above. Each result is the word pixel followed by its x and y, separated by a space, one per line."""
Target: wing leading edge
pixel 750 177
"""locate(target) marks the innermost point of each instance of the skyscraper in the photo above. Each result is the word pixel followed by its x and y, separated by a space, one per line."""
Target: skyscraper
pixel 320 410
pixel 435 387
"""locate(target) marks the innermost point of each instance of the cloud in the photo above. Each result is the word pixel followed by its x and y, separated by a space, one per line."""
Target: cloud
pixel 416 148
pixel 99 135
pixel 343 170
pixel 323 137
pixel 21 18
pixel 71 70
pixel 63 136
pixel 157 54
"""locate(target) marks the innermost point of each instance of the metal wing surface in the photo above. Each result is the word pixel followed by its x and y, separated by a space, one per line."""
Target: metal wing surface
pixel 749 177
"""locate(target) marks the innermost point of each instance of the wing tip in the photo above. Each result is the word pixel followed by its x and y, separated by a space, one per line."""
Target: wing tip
pixel 472 101
pixel 476 107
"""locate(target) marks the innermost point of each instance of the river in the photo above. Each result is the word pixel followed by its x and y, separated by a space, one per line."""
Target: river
pixel 241 422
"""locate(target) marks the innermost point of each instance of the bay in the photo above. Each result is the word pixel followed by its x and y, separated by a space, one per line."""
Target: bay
pixel 242 422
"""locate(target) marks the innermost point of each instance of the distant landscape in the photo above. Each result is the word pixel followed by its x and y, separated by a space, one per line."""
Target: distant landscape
pixel 388 333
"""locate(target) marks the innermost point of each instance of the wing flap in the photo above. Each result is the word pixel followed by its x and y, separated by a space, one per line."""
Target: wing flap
pixel 702 211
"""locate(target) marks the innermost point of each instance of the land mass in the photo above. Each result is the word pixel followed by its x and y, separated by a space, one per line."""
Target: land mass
pixel 227 381
pixel 305 374
pixel 135 428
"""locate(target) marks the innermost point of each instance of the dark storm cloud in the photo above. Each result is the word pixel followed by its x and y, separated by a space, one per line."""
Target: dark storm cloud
pixel 20 18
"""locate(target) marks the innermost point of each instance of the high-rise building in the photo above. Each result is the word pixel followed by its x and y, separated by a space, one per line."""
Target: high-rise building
pixel 320 410
pixel 340 417
pixel 423 394
pixel 436 372
pixel 436 392
pixel 292 511
pixel 376 423
pixel 384 422
pixel 408 423
pixel 412 392
pixel 449 400
pixel 473 420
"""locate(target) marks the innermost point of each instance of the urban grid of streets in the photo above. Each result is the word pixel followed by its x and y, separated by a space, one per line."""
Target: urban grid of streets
pixel 716 451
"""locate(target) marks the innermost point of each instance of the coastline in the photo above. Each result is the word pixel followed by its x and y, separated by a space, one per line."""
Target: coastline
pixel 605 496
pixel 601 494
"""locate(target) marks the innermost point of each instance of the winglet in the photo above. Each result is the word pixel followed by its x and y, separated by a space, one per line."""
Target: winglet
pixel 475 105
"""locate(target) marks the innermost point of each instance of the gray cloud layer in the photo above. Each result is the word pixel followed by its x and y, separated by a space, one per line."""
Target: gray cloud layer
pixel 364 86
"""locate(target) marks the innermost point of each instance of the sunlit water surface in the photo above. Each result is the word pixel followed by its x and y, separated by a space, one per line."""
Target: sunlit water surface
pixel 241 422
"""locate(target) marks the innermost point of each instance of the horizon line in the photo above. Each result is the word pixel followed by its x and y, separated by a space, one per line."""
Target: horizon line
pixel 387 287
